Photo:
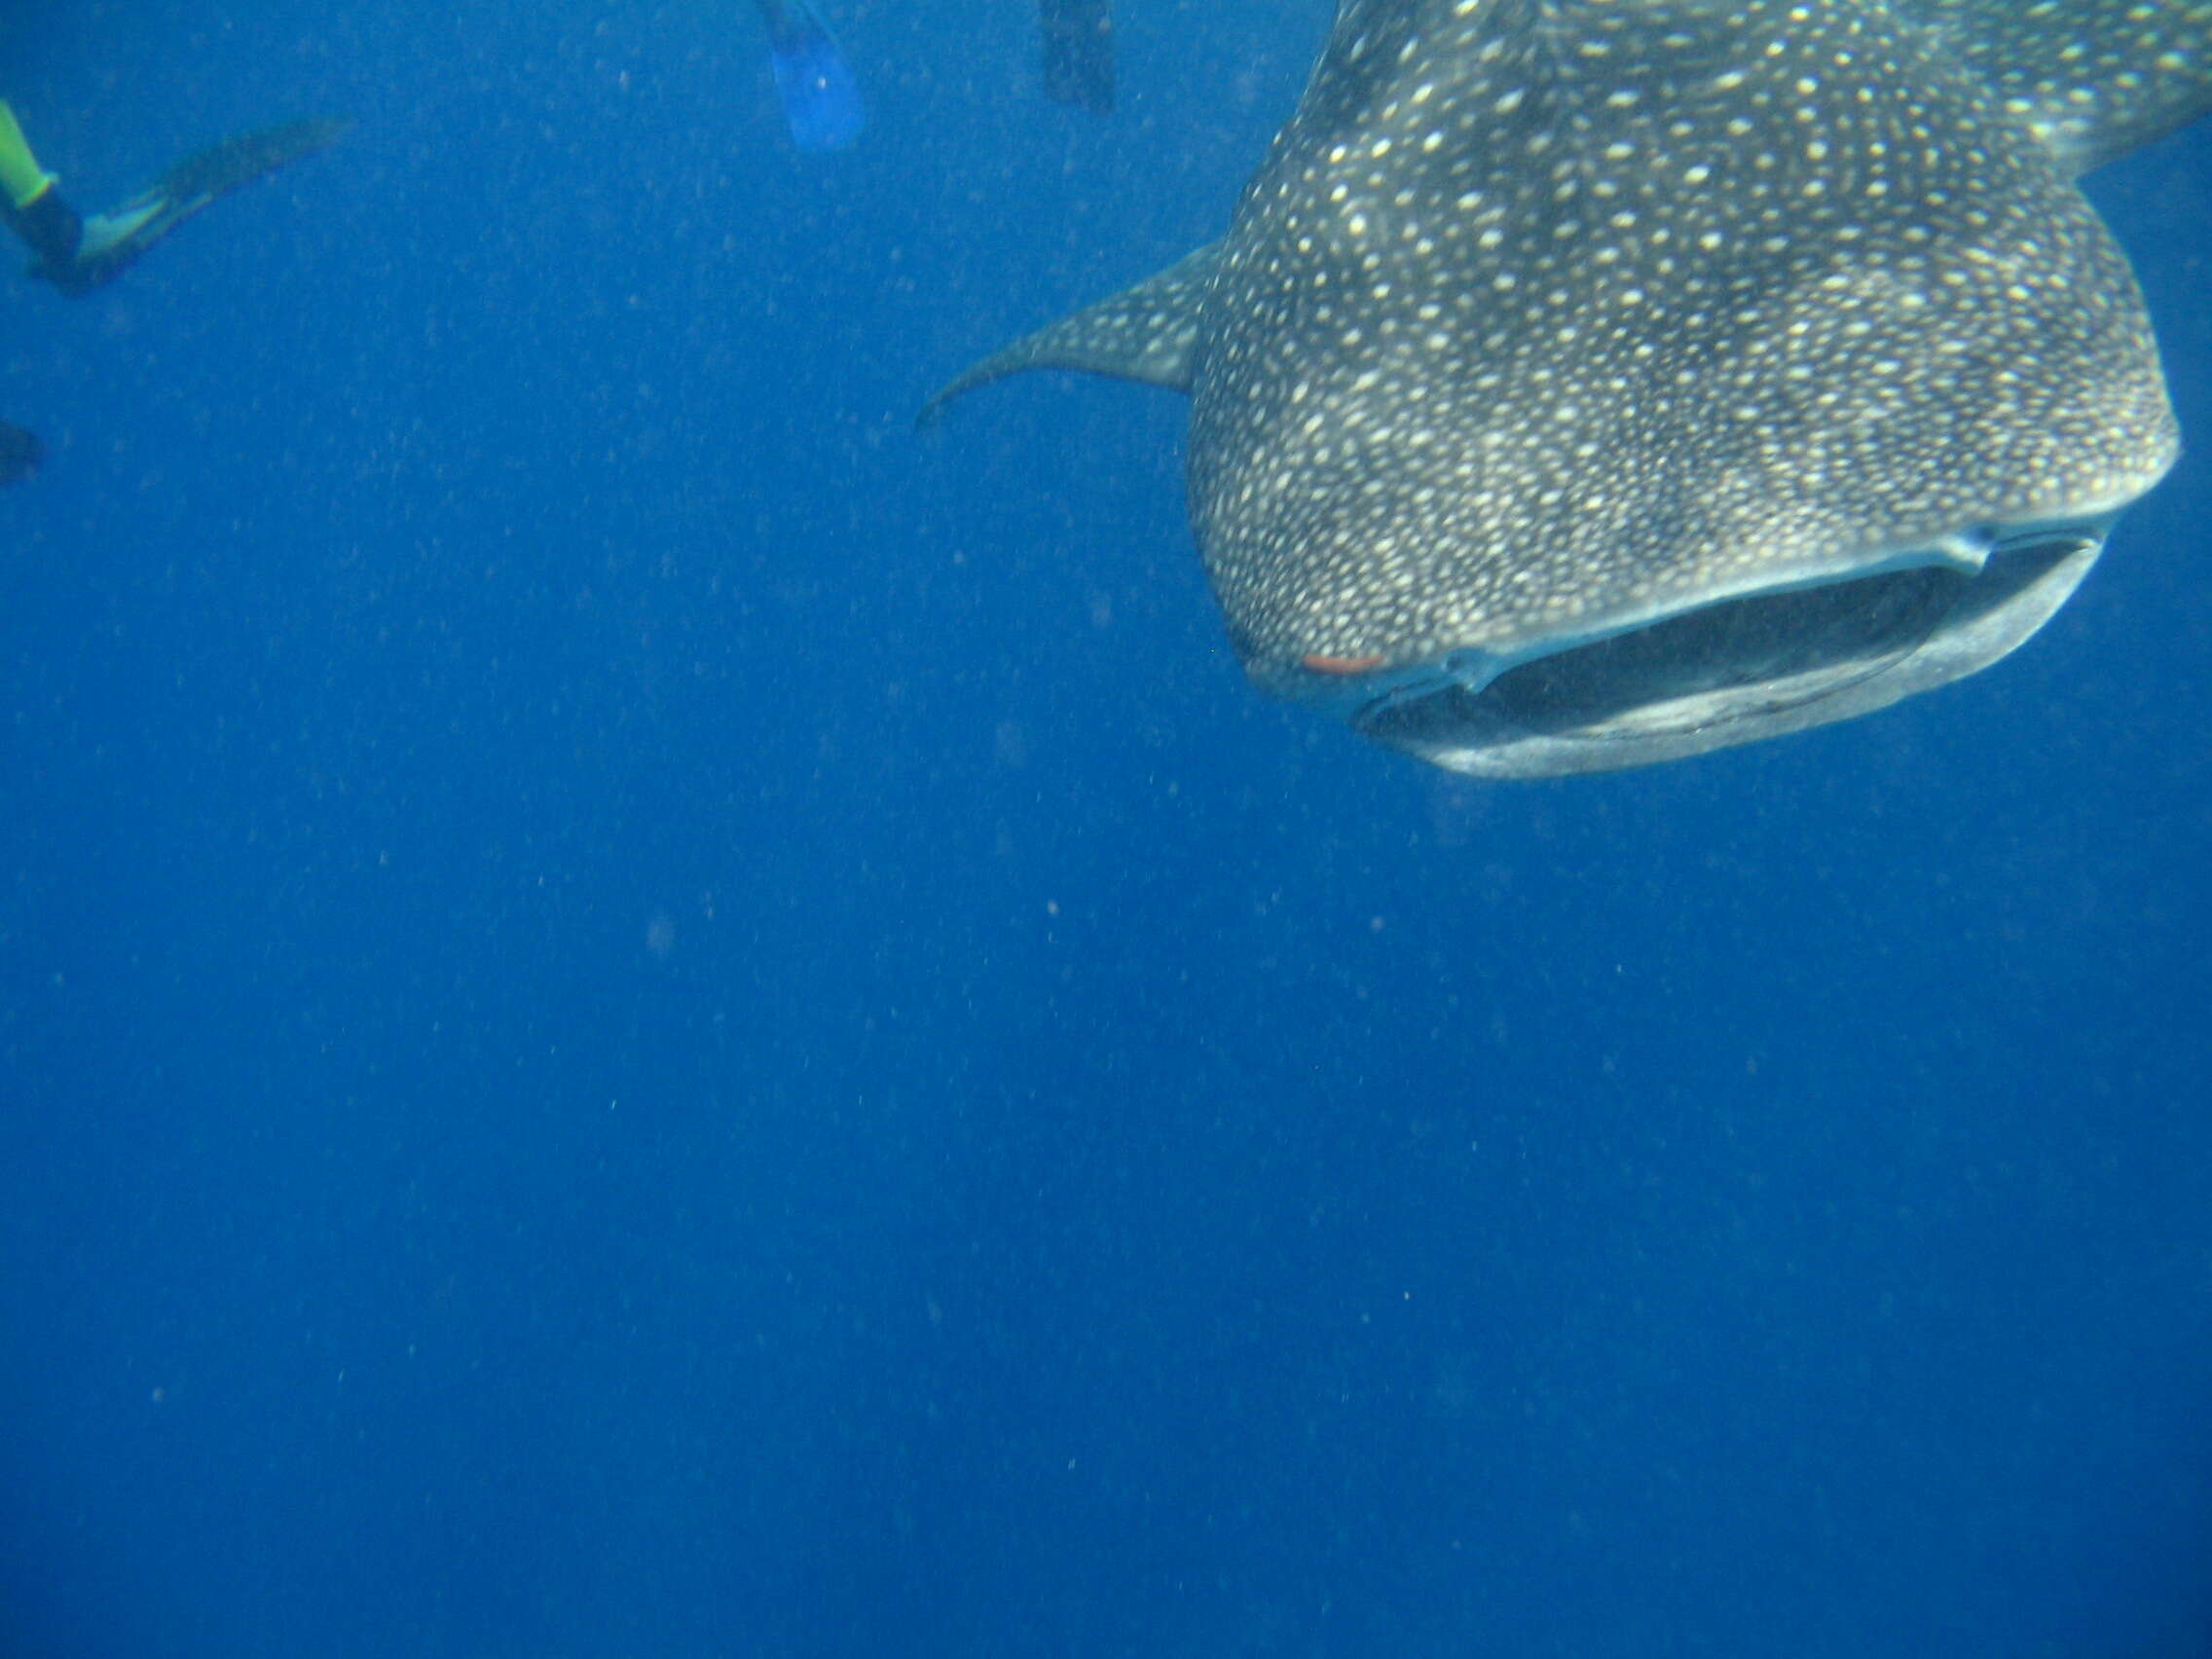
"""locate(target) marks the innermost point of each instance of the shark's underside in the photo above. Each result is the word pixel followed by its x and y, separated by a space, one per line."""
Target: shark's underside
pixel 1588 383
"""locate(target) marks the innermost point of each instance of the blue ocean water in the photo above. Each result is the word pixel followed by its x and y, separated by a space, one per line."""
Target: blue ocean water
pixel 640 1015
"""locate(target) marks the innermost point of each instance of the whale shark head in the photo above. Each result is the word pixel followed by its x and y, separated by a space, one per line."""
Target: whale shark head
pixel 1588 383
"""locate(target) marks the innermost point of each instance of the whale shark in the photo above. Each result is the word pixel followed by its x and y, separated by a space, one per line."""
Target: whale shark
pixel 1585 384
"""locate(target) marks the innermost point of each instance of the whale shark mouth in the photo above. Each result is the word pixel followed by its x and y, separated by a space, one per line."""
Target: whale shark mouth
pixel 1752 666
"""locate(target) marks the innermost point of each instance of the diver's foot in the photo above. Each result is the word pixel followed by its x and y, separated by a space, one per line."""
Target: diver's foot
pixel 108 233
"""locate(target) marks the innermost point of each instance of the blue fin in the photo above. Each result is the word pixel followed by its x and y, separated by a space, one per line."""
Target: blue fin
pixel 821 100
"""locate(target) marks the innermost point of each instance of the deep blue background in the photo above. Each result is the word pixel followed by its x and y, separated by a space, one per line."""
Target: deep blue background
pixel 642 1016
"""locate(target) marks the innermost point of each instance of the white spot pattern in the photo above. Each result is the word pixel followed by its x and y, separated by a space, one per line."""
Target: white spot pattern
pixel 1546 314
pixel 1712 297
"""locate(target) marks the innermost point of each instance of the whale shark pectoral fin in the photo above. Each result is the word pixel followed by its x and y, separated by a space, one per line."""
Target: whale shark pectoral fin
pixel 2094 79
pixel 1147 333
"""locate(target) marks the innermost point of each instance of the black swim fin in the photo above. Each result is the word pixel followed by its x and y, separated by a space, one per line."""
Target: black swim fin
pixel 114 240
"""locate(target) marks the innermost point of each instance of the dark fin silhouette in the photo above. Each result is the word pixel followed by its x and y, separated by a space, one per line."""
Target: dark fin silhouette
pixel 20 453
pixel 1079 51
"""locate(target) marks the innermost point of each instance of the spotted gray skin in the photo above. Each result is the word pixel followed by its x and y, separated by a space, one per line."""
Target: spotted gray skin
pixel 1588 383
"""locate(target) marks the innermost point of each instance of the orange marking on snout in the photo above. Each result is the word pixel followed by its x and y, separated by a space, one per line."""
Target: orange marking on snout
pixel 1317 664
